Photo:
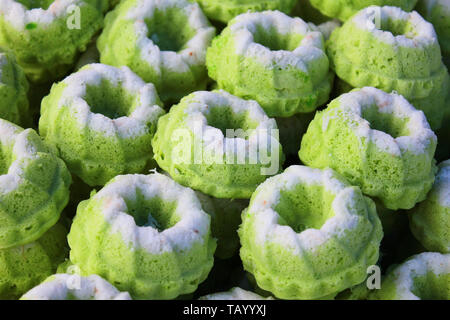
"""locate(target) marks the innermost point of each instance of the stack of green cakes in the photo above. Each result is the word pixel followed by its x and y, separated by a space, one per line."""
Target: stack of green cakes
pixel 224 149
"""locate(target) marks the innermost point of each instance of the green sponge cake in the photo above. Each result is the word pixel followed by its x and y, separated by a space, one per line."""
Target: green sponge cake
pixel 438 13
pixel 146 234
pixel 309 234
pixel 225 220
pixel 102 120
pixel 379 142
pixel 218 144
pixel 75 287
pixel 25 266
pixel 34 186
pixel 163 41
pixel 286 56
pixel 430 219
pixel 225 10
pixel 46 36
pixel 393 51
pixel 425 276
pixel 13 91
pixel 235 293
pixel 344 9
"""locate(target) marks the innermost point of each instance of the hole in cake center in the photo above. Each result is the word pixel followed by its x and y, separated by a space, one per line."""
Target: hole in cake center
pixel 272 39
pixel 169 29
pixel 109 100
pixel 385 122
pixel 304 207
pixel 36 4
pixel 397 27
pixel 154 212
pixel 224 118
pixel 429 287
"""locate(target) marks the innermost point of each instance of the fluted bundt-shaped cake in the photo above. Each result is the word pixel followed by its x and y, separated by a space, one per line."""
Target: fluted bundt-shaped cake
pixel 393 50
pixel 378 141
pixel 286 55
pixel 102 120
pixel 218 144
pixel 163 41
pixel 146 235
pixel 309 234
pixel 34 186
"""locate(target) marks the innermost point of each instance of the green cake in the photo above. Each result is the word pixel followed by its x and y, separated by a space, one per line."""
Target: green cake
pixel 438 13
pixel 25 266
pixel 102 120
pixel 309 234
pixel 146 234
pixel 393 51
pixel 46 36
pixel 286 56
pixel 75 287
pixel 344 9
pixel 424 276
pixel 379 142
pixel 430 219
pixel 13 91
pixel 218 144
pixel 226 10
pixel 164 42
pixel 34 186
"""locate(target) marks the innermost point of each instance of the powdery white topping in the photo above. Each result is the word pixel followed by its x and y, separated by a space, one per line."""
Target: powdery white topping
pixel 192 227
pixel 354 103
pixel 417 266
pixel 441 187
pixel 235 293
pixel 199 105
pixel 18 142
pixel 19 16
pixel 146 109
pixel 245 26
pixel 193 52
pixel 66 286
pixel 267 196
pixel 422 35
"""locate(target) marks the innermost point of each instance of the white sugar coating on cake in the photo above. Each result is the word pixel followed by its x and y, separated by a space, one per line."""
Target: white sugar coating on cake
pixel 68 286
pixel 8 133
pixel 134 124
pixel 417 266
pixel 245 26
pixel 235 293
pixel 192 227
pixel 194 52
pixel 422 34
pixel 268 194
pixel 19 16
pixel 199 105
pixel 353 104
pixel 17 141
